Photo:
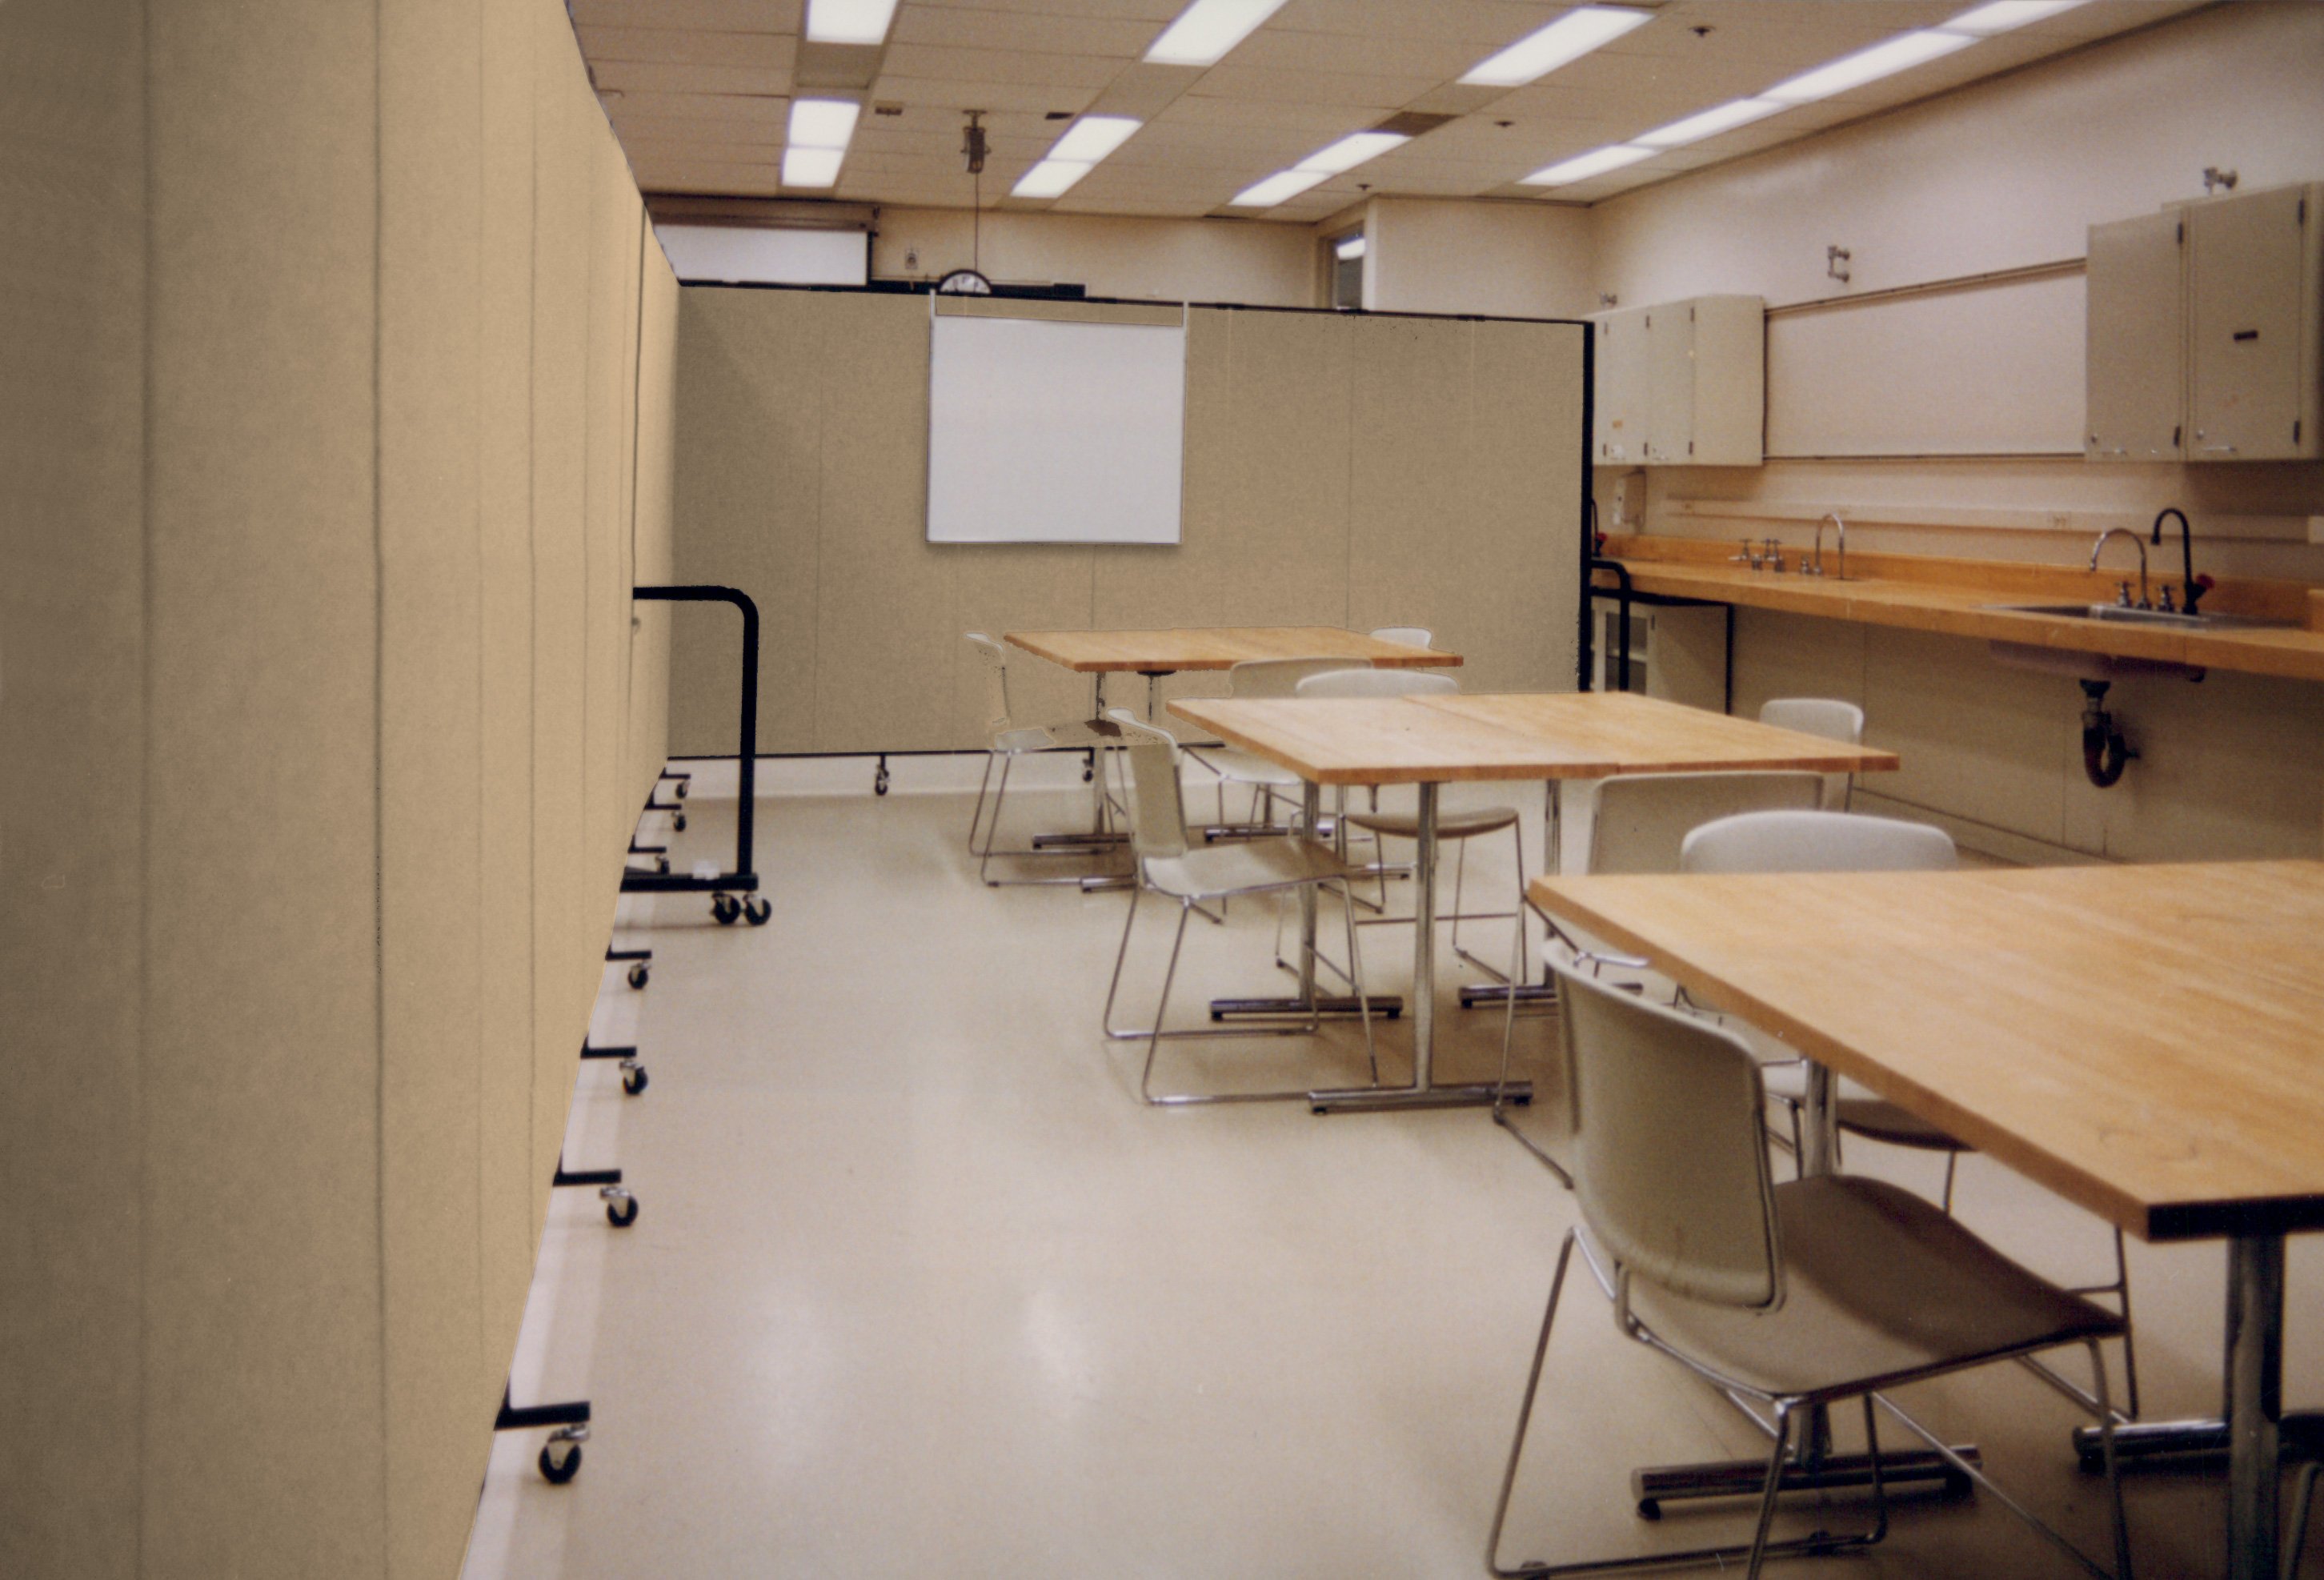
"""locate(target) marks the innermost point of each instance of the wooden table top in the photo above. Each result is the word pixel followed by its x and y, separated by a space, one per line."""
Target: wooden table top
pixel 1398 740
pixel 2148 1042
pixel 1218 648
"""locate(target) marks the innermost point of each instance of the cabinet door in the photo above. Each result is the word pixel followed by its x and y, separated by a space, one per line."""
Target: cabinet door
pixel 1618 420
pixel 1670 384
pixel 2137 340
pixel 2247 263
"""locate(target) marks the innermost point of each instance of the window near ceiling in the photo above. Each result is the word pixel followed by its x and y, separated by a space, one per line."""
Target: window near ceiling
pixel 1344 265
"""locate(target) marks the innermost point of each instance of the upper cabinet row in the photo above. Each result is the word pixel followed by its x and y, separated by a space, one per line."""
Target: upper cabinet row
pixel 2206 331
pixel 1680 384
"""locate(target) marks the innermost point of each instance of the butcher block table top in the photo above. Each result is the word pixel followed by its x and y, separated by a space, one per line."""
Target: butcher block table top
pixel 2148 1042
pixel 1219 647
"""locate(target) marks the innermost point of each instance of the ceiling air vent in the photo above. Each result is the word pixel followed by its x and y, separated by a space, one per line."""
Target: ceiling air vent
pixel 1413 122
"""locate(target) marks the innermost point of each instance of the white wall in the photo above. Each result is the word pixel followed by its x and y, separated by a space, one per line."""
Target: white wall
pixel 1451 255
pixel 1243 261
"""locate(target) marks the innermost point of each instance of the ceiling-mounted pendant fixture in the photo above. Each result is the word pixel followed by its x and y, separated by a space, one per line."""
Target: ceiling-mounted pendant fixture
pixel 971 280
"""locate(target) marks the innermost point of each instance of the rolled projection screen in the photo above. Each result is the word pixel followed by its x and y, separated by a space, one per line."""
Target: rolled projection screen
pixel 1045 431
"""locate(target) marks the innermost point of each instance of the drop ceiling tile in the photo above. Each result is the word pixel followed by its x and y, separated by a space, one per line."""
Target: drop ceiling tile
pixel 1485 24
pixel 658 77
pixel 962 95
pixel 636 130
pixel 1323 121
pixel 710 16
pixel 1354 54
pixel 986 29
pixel 649 151
pixel 703 107
pixel 710 179
pixel 944 63
pixel 682 46
pixel 1231 80
pixel 1118 10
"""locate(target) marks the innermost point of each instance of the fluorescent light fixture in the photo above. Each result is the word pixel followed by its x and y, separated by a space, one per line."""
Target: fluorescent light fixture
pixel 1351 150
pixel 1725 117
pixel 1350 247
pixel 1207 30
pixel 1052 178
pixel 1543 51
pixel 2003 14
pixel 848 22
pixel 1596 163
pixel 1279 188
pixel 823 123
pixel 811 167
pixel 1092 137
pixel 1885 60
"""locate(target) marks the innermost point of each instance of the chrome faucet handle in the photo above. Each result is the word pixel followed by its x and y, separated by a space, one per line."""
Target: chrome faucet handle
pixel 2122 598
pixel 1774 556
pixel 1747 557
pixel 2166 605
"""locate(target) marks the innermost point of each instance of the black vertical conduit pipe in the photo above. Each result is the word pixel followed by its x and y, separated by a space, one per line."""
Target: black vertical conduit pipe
pixel 1622 574
pixel 1589 501
pixel 745 878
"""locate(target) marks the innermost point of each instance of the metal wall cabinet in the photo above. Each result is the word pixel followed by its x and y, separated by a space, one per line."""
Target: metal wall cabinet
pixel 2137 339
pixel 1682 383
pixel 2256 326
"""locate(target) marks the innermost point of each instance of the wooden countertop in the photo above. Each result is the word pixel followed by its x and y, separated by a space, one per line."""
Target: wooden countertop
pixel 1953 596
pixel 2147 1040
pixel 1163 653
pixel 1440 740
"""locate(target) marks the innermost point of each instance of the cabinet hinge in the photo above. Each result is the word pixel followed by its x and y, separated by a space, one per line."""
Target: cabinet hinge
pixel 2304 211
pixel 2295 431
pixel 2175 440
pixel 2295 438
pixel 2183 233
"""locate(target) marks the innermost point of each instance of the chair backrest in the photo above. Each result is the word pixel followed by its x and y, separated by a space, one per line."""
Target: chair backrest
pixel 1410 636
pixel 1827 717
pixel 1643 819
pixel 1670 1155
pixel 996 680
pixel 1815 842
pixel 1157 816
pixel 1379 683
pixel 1280 677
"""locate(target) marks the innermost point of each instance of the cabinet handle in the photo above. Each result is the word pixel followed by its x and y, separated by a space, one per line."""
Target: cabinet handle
pixel 2219 449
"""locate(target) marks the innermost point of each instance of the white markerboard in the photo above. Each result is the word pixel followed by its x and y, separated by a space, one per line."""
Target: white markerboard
pixel 1047 431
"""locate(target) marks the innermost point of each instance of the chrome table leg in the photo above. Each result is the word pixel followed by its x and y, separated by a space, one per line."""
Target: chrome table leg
pixel 1308 1004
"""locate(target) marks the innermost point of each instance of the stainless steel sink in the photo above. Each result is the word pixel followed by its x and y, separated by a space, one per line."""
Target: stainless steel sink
pixel 2169 620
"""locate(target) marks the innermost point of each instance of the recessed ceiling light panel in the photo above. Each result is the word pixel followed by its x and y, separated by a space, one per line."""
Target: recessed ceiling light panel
pixel 1543 51
pixel 1279 188
pixel 1725 117
pixel 822 123
pixel 2003 14
pixel 1596 163
pixel 1351 151
pixel 849 22
pixel 811 167
pixel 1092 137
pixel 1207 30
pixel 1052 178
pixel 1900 53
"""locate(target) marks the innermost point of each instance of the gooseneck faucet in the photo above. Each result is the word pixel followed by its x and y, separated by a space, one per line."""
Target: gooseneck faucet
pixel 1817 568
pixel 2136 542
pixel 2191 590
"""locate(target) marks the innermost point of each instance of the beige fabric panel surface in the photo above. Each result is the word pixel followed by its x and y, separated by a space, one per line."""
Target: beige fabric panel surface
pixel 1340 471
pixel 650 530
pixel 72 709
pixel 616 213
pixel 262 1442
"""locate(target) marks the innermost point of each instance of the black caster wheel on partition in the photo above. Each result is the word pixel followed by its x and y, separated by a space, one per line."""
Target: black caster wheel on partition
pixel 622 1211
pixel 725 909
pixel 560 1462
pixel 633 1082
pixel 638 975
pixel 661 865
pixel 679 791
pixel 879 782
pixel 756 910
pixel 678 821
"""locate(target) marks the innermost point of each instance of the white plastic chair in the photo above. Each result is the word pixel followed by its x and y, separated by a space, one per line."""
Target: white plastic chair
pixel 1798 1295
pixel 1269 781
pixel 1011 741
pixel 1410 636
pixel 1828 717
pixel 1171 865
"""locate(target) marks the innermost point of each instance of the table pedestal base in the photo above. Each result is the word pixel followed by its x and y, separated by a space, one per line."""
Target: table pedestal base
pixel 1373 1100
pixel 1328 1006
pixel 1747 1478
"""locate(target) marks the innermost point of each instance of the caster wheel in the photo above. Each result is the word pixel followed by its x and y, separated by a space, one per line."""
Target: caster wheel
pixel 678 821
pixel 633 1082
pixel 724 909
pixel 661 865
pixel 756 910
pixel 879 782
pixel 683 786
pixel 1088 774
pixel 560 1462
pixel 1649 1509
pixel 623 1211
pixel 638 975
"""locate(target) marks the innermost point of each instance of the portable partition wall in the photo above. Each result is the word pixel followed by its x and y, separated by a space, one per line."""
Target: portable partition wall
pixel 1339 469
pixel 334 430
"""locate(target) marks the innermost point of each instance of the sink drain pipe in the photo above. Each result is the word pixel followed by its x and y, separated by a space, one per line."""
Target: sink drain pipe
pixel 2105 752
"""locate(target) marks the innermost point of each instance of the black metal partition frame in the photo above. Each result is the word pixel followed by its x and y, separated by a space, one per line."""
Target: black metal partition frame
pixel 745 878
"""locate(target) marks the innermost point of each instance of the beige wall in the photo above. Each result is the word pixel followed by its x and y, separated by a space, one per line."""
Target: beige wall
pixel 1340 470
pixel 299 940
pixel 1160 260
pixel 2000 176
pixel 1442 255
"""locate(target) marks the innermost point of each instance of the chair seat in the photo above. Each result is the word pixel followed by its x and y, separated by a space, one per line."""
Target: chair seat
pixel 1449 825
pixel 1240 767
pixel 1210 871
pixel 1070 736
pixel 1859 1109
pixel 1879 1286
